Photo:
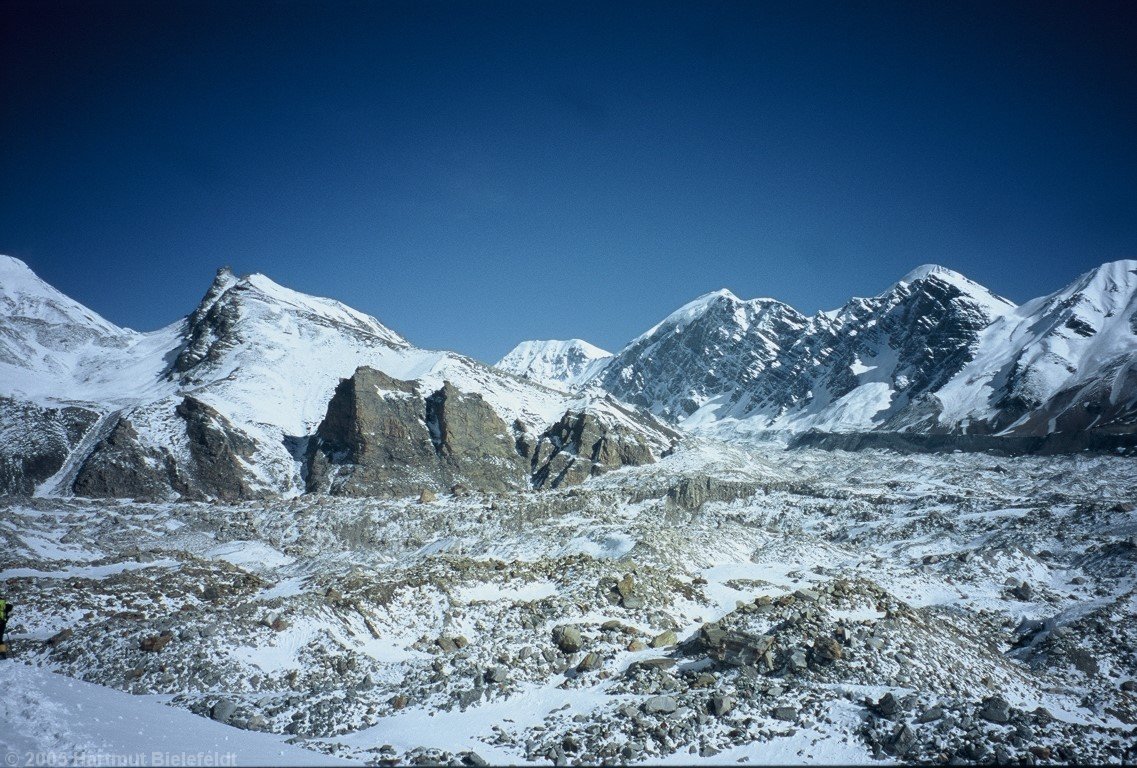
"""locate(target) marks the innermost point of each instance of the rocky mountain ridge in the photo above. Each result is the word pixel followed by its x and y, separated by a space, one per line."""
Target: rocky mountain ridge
pixel 225 403
pixel 936 355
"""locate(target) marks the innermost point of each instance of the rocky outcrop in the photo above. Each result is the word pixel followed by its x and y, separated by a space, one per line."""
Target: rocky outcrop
pixel 380 437
pixel 475 447
pixel 373 440
pixel 220 454
pixel 693 492
pixel 37 442
pixel 213 465
pixel 584 444
pixel 121 466
pixel 210 326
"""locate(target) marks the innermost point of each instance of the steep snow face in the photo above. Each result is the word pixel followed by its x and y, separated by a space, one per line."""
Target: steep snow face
pixel 53 349
pixel 557 364
pixel 1049 355
pixel 704 353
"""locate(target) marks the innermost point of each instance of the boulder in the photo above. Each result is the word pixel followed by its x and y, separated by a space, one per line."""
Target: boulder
pixel 60 636
pixel 789 714
pixel 887 706
pixel 721 705
pixel 155 643
pixel 590 662
pixel 567 637
pixel 660 705
pixel 995 709
pixel 223 710
pixel 826 650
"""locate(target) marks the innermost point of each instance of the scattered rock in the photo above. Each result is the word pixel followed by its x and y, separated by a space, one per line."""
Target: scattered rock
pixel 664 639
pixel 827 650
pixel 995 709
pixel 427 496
pixel 223 710
pixel 789 714
pixel 155 643
pixel 931 715
pixel 590 662
pixel 1023 592
pixel 567 637
pixel 63 634
pixel 660 705
pixel 721 705
pixel 887 705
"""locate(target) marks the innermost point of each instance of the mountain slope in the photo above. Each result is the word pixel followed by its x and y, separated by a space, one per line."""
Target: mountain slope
pixel 1060 362
pixel 720 358
pixel 223 403
pixel 557 364
pixel 702 355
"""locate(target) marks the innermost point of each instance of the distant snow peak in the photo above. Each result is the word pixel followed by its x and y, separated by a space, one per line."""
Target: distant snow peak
pixel 927 270
pixel 560 364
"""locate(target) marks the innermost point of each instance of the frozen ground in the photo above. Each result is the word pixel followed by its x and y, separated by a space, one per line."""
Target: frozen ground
pixel 725 605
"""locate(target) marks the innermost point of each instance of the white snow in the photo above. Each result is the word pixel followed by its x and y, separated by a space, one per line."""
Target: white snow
pixel 48 719
pixel 554 363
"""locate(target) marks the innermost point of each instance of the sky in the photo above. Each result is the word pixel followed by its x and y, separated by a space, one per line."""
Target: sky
pixel 478 173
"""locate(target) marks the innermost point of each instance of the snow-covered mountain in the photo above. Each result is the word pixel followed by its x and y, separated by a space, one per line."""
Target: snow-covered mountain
pixel 720 358
pixel 223 402
pixel 936 353
pixel 556 364
pixel 1062 362
pixel 703 355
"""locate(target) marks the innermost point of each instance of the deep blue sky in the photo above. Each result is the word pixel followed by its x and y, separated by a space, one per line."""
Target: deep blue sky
pixel 474 174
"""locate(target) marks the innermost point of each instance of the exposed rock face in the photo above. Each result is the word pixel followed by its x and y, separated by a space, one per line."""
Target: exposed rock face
pixel 122 467
pixel 219 453
pixel 709 348
pixel 380 437
pixel 872 364
pixel 374 440
pixel 37 450
pixel 210 326
pixel 474 445
pixel 582 445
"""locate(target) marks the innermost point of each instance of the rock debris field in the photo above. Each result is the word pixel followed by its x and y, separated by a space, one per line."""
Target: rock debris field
pixel 729 605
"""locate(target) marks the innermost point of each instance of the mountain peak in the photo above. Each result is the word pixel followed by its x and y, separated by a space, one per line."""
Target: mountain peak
pixel 927 270
pixel 11 267
pixel 992 303
pixel 553 362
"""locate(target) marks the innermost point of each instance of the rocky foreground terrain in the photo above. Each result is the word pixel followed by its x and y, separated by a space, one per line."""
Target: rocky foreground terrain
pixel 729 603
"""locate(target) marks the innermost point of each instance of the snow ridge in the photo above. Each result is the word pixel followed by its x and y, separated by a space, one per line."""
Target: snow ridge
pixel 554 363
